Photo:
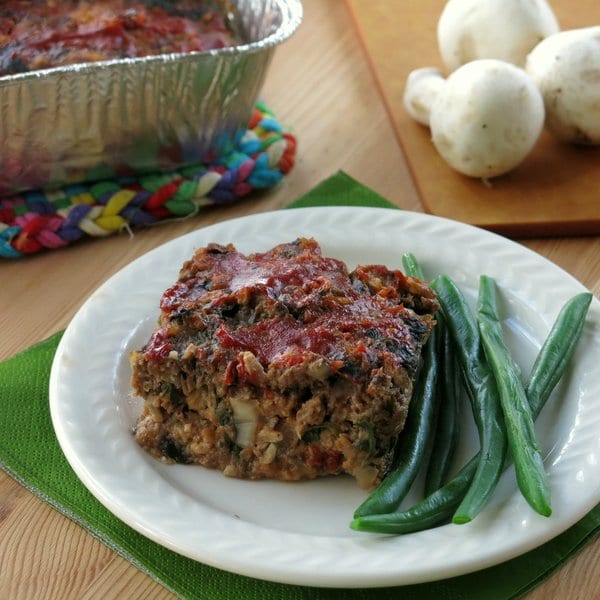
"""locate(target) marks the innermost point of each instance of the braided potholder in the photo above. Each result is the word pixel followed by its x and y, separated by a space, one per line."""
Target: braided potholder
pixel 34 221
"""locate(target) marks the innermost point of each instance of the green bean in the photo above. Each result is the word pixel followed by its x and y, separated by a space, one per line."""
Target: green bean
pixel 557 350
pixel 548 368
pixel 522 439
pixel 435 509
pixel 417 431
pixel 446 433
pixel 412 266
pixel 483 394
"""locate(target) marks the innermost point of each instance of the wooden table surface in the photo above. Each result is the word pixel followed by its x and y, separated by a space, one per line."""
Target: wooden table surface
pixel 319 83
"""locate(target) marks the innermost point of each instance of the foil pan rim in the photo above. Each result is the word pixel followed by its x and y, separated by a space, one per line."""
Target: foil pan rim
pixel 291 12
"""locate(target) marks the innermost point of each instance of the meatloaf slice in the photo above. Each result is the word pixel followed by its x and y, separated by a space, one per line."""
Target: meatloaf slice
pixel 282 364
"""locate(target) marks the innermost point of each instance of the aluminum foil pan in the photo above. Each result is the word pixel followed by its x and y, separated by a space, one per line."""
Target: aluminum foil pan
pixel 100 120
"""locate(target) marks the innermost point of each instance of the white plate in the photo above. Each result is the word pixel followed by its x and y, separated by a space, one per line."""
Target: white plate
pixel 298 532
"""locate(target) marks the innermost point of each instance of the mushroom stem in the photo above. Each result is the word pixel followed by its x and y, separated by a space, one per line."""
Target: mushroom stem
pixel 422 88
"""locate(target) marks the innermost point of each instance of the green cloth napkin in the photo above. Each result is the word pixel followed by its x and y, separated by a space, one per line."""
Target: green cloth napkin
pixel 30 453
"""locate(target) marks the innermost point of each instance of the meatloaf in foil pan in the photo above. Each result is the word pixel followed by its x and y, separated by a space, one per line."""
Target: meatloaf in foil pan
pixel 128 116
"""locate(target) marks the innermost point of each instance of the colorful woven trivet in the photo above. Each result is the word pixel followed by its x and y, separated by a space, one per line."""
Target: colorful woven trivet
pixel 40 220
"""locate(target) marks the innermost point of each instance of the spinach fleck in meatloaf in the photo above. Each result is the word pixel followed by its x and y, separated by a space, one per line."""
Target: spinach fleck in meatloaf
pixel 282 364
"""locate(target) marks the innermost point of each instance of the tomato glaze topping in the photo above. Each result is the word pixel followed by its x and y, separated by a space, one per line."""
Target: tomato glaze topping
pixel 290 303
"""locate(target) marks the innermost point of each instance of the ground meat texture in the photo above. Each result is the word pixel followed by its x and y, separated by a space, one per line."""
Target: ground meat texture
pixel 282 364
pixel 40 34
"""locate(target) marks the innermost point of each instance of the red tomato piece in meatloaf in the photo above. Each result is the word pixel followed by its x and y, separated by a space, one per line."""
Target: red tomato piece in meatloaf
pixel 282 364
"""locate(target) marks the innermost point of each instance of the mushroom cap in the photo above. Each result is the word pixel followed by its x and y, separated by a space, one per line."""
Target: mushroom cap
pixel 486 118
pixel 504 29
pixel 566 69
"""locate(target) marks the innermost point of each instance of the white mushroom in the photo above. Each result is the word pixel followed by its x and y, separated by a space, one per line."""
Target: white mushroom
pixel 422 88
pixel 486 118
pixel 566 68
pixel 245 419
pixel 503 29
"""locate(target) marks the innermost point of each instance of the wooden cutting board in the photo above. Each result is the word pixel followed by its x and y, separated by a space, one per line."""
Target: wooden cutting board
pixel 555 192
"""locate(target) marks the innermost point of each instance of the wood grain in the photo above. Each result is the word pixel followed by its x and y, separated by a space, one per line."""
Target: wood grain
pixel 555 191
pixel 321 84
